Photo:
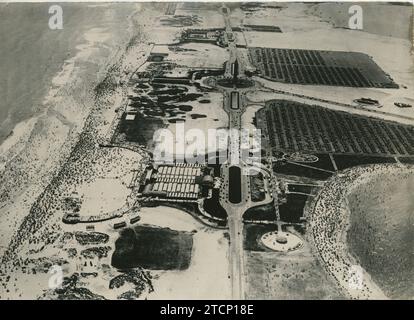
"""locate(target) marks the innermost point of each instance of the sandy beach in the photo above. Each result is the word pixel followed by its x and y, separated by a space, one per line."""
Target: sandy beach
pixel 28 159
pixel 32 155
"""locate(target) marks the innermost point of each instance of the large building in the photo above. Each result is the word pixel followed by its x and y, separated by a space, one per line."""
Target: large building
pixel 176 182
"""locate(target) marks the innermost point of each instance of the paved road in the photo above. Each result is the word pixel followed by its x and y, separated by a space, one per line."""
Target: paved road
pixel 235 211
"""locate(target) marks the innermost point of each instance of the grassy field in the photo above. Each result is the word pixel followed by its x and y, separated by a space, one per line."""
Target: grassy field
pixel 409 160
pixel 252 234
pixel 347 161
pixel 296 169
pixel 294 275
pixel 292 211
pixel 262 212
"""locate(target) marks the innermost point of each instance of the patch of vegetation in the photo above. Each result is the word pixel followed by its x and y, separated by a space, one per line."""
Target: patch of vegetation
pixel 324 162
pixel 140 130
pixel 96 252
pixel 299 228
pixel 266 212
pixel 108 85
pixel 141 280
pixel 293 276
pixel 180 20
pixel 70 291
pixel 213 206
pixel 153 248
pixel 72 252
pixel 185 108
pixel 197 116
pixel 252 234
pixel 128 295
pixel 409 160
pixel 44 264
pixel 300 188
pixel 292 169
pixel 66 237
pixel 189 97
pixel 85 238
pixel 71 204
pixel 257 187
pixel 175 120
pixel 346 161
pixel 292 211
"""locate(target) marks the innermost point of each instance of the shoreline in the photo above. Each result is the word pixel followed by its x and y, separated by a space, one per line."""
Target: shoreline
pixel 42 220
pixel 63 118
pixel 97 39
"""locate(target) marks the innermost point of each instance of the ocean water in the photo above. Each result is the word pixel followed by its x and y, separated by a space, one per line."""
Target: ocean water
pixel 31 54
